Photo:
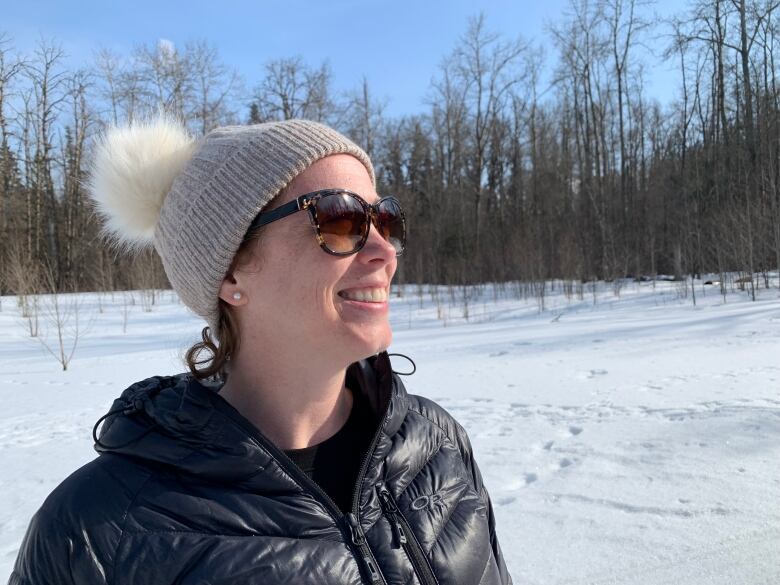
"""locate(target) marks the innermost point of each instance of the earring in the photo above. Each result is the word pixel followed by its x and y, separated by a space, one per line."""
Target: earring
pixel 237 295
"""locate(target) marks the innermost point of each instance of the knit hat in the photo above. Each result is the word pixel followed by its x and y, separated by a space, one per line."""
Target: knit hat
pixel 195 199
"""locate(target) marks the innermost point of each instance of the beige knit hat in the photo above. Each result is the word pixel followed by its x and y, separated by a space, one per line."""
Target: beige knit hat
pixel 195 199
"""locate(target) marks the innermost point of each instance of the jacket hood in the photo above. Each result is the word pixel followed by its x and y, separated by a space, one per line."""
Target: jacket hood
pixel 183 424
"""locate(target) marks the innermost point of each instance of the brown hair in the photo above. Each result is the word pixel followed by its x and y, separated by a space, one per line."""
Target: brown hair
pixel 213 365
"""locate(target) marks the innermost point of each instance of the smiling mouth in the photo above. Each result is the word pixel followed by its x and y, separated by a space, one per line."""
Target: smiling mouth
pixel 365 295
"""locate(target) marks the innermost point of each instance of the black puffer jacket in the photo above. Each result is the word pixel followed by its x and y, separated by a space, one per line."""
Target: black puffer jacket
pixel 187 491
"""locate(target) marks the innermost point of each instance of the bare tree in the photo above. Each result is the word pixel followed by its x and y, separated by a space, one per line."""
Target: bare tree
pixel 487 68
pixel 75 217
pixel 23 278
pixel 48 86
pixel 61 313
pixel 363 117
pixel 108 65
pixel 10 69
pixel 213 86
pixel 165 73
pixel 625 24
pixel 291 89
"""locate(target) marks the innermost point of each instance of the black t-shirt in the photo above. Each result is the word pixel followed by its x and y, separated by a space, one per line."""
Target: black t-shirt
pixel 335 463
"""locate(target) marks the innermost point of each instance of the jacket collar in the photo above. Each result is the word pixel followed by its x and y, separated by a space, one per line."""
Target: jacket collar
pixel 179 423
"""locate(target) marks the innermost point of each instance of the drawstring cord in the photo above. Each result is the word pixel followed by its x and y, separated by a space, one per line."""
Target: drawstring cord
pixel 128 408
pixel 407 358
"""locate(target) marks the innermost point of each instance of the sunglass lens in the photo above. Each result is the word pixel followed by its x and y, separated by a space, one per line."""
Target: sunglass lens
pixel 391 224
pixel 342 222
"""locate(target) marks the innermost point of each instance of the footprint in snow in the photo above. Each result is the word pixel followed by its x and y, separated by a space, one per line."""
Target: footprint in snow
pixel 575 431
pixel 647 387
pixel 499 353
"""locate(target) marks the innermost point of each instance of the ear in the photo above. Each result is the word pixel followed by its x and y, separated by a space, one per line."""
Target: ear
pixel 228 288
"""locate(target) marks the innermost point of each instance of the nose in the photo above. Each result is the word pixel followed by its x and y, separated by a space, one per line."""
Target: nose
pixel 377 248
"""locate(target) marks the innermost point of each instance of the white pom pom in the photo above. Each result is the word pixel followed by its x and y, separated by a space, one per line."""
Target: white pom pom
pixel 134 168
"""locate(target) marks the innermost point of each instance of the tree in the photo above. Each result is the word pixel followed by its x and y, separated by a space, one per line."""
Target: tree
pixel 291 89
pixel 363 115
pixel 48 92
pixel 10 69
pixel 213 86
pixel 487 68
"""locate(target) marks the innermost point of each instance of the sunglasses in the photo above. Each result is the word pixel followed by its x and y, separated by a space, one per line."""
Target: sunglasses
pixel 341 220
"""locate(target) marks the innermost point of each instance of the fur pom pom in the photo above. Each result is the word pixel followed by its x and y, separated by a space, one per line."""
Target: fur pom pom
pixel 134 168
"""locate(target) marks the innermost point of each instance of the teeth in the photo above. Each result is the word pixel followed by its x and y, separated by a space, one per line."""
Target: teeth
pixel 371 295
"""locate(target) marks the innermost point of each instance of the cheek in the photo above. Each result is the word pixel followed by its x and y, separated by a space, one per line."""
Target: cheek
pixel 297 278
pixel 300 286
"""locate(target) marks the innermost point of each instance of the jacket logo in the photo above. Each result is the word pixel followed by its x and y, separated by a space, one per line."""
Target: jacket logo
pixel 426 501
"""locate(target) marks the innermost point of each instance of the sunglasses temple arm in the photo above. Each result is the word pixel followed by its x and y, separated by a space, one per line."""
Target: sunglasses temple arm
pixel 278 213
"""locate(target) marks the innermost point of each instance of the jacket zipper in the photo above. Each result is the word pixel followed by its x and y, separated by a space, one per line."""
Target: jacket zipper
pixel 353 518
pixel 403 535
pixel 358 539
pixel 349 524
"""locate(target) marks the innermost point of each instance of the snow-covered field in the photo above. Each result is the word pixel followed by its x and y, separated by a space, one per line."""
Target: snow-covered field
pixel 631 441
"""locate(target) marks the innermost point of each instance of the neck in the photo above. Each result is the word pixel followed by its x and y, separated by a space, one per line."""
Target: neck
pixel 295 405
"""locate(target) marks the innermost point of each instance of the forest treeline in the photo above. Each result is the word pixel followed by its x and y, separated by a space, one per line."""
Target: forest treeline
pixel 505 174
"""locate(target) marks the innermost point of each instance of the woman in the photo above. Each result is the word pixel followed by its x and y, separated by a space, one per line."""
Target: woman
pixel 292 453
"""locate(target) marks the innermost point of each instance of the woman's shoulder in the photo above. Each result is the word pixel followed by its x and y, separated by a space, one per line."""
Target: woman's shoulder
pixel 436 415
pixel 103 487
pixel 80 523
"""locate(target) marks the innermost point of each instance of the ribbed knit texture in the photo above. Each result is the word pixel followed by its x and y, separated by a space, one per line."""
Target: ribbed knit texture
pixel 234 173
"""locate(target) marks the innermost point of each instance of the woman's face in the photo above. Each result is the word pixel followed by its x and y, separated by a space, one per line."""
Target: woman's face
pixel 295 297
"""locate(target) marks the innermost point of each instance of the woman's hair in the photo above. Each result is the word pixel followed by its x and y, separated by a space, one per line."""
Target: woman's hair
pixel 213 365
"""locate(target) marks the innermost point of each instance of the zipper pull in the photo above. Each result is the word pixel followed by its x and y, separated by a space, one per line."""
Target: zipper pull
pixel 400 530
pixel 391 509
pixel 355 533
pixel 373 571
pixel 398 533
pixel 359 540
pixel 386 499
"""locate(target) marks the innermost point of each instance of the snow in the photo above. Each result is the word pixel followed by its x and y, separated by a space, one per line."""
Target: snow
pixel 630 440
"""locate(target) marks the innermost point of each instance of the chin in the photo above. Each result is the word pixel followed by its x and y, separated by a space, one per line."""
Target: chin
pixel 370 347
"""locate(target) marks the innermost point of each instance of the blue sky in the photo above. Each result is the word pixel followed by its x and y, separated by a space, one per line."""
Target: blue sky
pixel 396 44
